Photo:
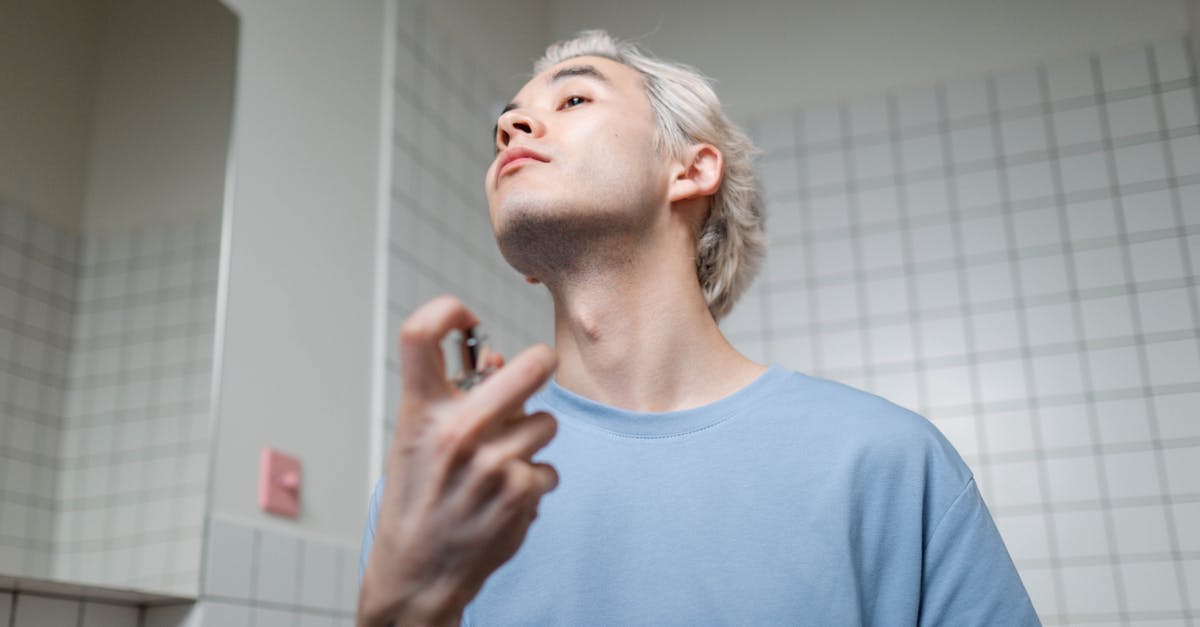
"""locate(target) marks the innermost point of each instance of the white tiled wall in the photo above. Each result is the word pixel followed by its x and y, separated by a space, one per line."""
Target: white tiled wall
pixel 1015 257
pixel 105 363
pixel 257 577
pixel 38 266
pixel 25 609
pixel 440 237
pixel 134 453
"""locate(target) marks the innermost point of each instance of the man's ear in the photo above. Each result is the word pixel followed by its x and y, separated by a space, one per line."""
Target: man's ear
pixel 697 173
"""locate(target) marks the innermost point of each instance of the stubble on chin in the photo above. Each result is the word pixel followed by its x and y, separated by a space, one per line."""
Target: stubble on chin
pixel 556 244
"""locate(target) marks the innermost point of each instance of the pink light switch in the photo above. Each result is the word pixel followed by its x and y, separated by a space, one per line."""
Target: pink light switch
pixel 279 483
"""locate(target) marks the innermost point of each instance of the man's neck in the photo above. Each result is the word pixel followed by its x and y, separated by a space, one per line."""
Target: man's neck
pixel 640 337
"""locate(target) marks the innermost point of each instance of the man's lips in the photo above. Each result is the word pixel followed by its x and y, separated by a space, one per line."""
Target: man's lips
pixel 515 157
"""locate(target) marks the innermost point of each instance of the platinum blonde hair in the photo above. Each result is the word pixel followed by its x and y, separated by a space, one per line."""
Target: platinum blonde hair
pixel 731 242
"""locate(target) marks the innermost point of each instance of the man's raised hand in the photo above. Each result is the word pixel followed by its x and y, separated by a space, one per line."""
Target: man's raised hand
pixel 461 487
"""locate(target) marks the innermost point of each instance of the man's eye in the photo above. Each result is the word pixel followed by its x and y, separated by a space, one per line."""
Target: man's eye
pixel 572 101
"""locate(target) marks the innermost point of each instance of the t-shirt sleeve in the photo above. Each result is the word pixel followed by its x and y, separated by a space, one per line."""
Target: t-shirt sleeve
pixel 369 532
pixel 968 577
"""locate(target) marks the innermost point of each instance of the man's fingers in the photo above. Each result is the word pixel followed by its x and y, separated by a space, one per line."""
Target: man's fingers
pixel 532 434
pixel 422 364
pixel 504 393
pixel 523 487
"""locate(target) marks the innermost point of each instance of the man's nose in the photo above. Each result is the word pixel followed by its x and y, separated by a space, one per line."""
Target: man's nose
pixel 513 123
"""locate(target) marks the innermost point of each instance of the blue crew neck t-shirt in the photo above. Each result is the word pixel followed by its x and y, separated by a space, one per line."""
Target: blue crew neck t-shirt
pixel 793 501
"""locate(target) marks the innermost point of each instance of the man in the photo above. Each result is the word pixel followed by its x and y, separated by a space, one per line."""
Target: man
pixel 697 487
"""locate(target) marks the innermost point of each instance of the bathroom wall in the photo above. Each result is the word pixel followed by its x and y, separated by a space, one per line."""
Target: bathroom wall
pixel 112 212
pixel 133 460
pixel 26 609
pixel 1014 256
pixel 38 274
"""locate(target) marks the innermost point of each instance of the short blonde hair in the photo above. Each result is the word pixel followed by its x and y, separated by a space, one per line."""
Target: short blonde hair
pixel 731 243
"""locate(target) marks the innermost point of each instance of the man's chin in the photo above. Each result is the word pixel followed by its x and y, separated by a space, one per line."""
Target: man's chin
pixel 553 239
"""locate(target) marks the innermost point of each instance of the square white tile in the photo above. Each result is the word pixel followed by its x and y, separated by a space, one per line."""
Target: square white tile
pixel 1073 479
pixel 1090 589
pixel 1025 536
pixel 1015 484
pixel 1165 310
pixel 1179 107
pixel 1157 260
pixel 1132 474
pixel 1037 227
pixel 1124 68
pixel 934 242
pixel 1107 317
pixel 887 296
pixel 1140 163
pixel 922 153
pixel 109 615
pixel 836 302
pixel 1122 421
pixel 1114 368
pixel 1185 155
pixel 996 330
pixel 1023 135
pixel 1043 275
pixel 230 558
pixel 1151 587
pixel 1008 431
pixel 1183 469
pixel 1058 375
pixel 1081 533
pixel 924 197
pixel 990 282
pixel 1141 530
pixel 1031 181
pixel 39 611
pixel 978 189
pixel 1064 426
pixel 319 577
pixel 939 289
pixel 1084 172
pixel 1148 211
pixel 1003 380
pixel 1099 267
pixel 789 308
pixel 1133 116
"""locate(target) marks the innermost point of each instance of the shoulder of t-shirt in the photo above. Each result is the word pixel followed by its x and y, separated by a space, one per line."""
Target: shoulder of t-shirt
pixel 891 433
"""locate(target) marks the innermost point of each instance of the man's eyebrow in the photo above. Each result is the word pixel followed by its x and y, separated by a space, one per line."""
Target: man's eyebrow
pixel 578 70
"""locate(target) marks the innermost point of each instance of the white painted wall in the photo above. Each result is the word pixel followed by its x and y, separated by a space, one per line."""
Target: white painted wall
pixel 295 372
pixel 46 95
pixel 115 115
pixel 1193 10
pixel 769 55
pixel 159 137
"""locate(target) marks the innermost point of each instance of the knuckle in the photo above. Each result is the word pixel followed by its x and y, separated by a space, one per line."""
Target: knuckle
pixel 489 462
pixel 414 331
pixel 450 439
pixel 517 491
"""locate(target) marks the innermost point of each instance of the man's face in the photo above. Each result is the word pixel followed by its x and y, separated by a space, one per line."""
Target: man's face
pixel 575 155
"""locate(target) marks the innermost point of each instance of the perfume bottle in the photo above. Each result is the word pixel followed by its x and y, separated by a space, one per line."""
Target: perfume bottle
pixel 470 347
